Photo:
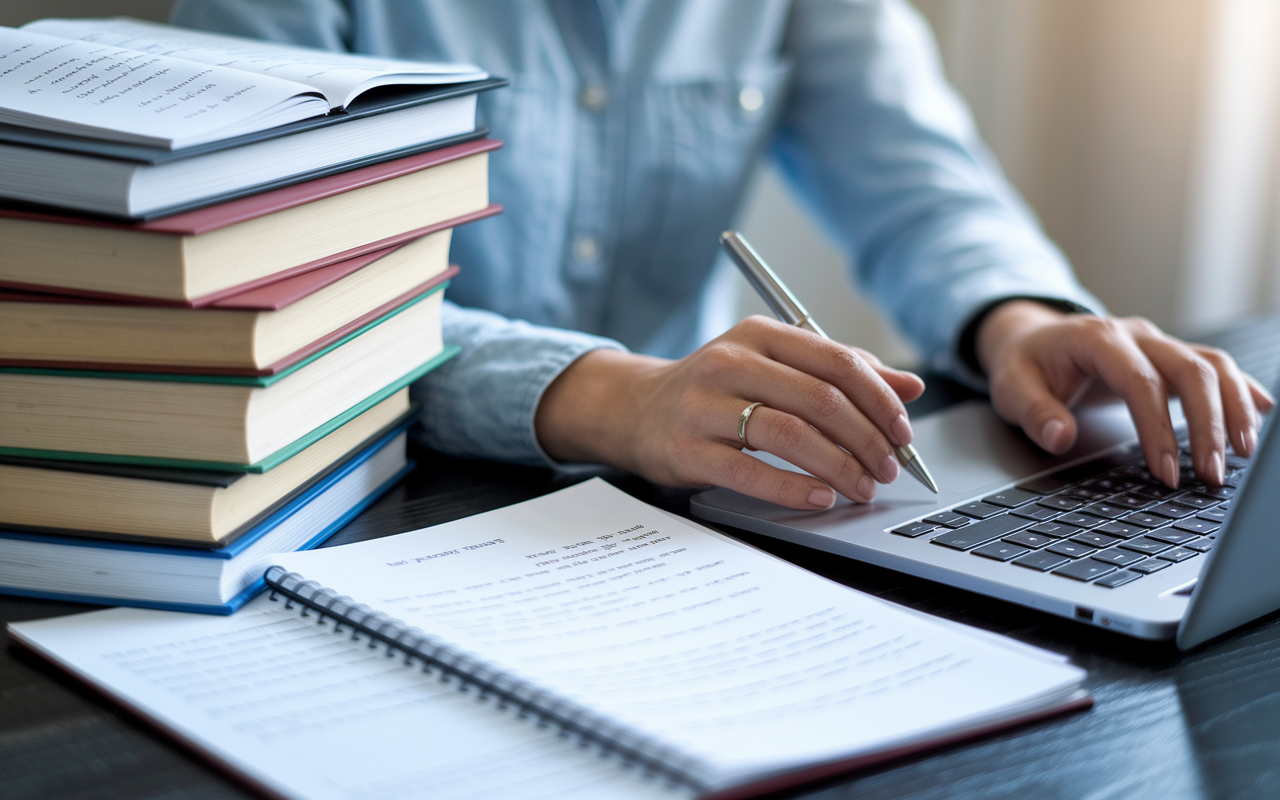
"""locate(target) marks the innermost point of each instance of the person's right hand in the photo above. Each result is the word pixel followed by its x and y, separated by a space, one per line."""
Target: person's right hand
pixel 835 411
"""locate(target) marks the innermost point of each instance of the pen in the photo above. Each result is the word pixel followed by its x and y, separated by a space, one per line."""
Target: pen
pixel 788 309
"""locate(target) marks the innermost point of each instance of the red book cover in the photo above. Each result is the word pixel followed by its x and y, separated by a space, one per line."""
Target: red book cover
pixel 271 369
pixel 203 220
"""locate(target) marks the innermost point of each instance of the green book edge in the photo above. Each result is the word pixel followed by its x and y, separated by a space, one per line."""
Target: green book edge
pixel 273 460
pixel 238 380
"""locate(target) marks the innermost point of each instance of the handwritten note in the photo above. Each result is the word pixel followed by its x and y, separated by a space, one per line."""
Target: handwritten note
pixel 678 632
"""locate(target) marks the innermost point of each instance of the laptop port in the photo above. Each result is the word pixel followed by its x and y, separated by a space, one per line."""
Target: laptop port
pixel 1085 614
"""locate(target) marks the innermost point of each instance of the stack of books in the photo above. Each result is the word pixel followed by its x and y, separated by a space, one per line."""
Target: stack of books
pixel 222 263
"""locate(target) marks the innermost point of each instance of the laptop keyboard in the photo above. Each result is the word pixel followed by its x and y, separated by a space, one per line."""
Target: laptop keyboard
pixel 1108 522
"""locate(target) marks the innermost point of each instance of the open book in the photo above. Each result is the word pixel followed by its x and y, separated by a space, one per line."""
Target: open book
pixel 164 86
pixel 671 659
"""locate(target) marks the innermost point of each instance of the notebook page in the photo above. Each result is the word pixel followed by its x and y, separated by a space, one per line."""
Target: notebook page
pixel 91 89
pixel 744 661
pixel 339 76
pixel 308 713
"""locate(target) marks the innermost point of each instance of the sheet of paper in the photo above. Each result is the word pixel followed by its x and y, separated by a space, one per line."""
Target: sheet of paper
pixel 339 76
pixel 735 656
pixel 95 89
pixel 310 714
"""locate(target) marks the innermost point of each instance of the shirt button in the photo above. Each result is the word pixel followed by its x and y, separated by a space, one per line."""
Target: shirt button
pixel 751 98
pixel 586 249
pixel 593 97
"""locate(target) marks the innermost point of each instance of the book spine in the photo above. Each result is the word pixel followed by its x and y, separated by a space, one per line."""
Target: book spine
pixel 472 674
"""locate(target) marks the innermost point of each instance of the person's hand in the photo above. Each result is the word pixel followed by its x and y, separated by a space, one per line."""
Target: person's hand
pixel 1038 360
pixel 832 410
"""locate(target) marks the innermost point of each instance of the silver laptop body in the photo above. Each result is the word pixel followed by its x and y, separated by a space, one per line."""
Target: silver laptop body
pixel 972 454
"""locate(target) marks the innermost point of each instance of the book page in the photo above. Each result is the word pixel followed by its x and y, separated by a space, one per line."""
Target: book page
pixel 746 662
pixel 93 89
pixel 339 76
pixel 308 713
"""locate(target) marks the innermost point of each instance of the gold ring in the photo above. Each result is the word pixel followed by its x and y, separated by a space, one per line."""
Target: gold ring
pixel 742 424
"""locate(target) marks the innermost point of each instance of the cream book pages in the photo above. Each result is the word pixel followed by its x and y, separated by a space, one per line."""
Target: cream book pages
pixel 720 663
pixel 340 77
pixel 94 89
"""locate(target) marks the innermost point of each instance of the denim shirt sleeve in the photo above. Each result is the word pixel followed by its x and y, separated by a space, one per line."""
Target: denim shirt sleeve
pixel 884 151
pixel 481 403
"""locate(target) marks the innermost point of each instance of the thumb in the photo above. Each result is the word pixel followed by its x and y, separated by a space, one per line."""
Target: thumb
pixel 1022 397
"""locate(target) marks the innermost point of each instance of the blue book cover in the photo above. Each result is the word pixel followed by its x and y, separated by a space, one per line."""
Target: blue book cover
pixel 188 579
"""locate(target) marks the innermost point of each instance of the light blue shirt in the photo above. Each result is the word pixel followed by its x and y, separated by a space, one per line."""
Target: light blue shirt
pixel 631 128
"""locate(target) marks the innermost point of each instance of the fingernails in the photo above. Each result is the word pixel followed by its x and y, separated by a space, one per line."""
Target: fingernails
pixel 866 488
pixel 1169 470
pixel 901 430
pixel 822 497
pixel 1218 468
pixel 1250 436
pixel 1051 434
pixel 889 469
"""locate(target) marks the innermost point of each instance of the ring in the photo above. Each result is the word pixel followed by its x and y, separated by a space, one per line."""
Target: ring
pixel 742 424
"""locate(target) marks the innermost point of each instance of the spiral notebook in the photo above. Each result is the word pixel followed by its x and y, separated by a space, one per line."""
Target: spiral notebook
pixel 582 644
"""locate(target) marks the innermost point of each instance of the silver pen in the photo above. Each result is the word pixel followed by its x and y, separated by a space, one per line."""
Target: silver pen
pixel 787 308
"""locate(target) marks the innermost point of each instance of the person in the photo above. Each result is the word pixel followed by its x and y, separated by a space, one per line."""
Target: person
pixel 630 128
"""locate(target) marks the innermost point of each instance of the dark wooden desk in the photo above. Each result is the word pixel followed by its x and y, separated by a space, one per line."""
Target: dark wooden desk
pixel 1166 725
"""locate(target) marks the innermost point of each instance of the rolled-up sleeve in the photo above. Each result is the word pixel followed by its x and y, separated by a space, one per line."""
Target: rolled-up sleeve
pixel 481 403
pixel 886 154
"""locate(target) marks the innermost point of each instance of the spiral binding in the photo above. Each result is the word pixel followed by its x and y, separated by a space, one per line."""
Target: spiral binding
pixel 586 727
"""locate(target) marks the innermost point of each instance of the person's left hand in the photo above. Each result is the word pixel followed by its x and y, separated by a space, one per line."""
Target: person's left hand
pixel 1038 360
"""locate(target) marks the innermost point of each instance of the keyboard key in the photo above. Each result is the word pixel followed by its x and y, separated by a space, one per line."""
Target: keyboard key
pixel 1079 520
pixel 980 532
pixel 1035 513
pixel 1200 526
pixel 1144 520
pixel 1120 530
pixel 915 529
pixel 1055 530
pixel 1086 494
pixel 1105 510
pixel 1117 579
pixel 1218 514
pixel 1131 501
pixel 948 519
pixel 1198 501
pixel 1041 561
pixel 1070 549
pixel 1178 554
pixel 1085 570
pixel 1145 546
pixel 1010 498
pixel 1118 557
pixel 1203 545
pixel 1156 491
pixel 1094 539
pixel 1218 492
pixel 1028 539
pixel 1060 502
pixel 1172 510
pixel 1045 485
pixel 1172 536
pixel 1000 551
pixel 979 510
pixel 1149 566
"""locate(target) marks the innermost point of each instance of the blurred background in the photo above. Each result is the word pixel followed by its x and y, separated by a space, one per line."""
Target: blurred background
pixel 1144 133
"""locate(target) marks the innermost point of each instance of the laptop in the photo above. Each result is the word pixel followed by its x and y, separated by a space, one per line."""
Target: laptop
pixel 1090 536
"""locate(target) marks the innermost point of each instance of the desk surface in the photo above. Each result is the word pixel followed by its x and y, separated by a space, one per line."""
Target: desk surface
pixel 1166 725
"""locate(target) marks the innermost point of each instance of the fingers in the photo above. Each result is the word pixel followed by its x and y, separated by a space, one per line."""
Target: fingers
pixel 1239 409
pixel 859 379
pixel 1195 381
pixel 795 441
pixel 1027 401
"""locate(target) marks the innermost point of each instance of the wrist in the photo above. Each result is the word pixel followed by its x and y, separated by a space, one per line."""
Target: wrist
pixel 1007 323
pixel 587 413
